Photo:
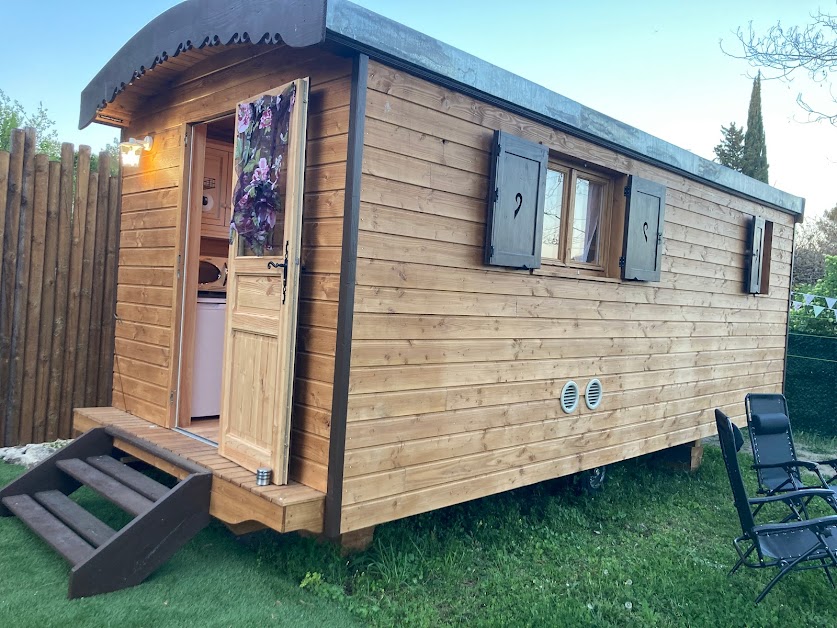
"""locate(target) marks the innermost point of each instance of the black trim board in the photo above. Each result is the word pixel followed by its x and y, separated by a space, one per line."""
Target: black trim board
pixel 346 304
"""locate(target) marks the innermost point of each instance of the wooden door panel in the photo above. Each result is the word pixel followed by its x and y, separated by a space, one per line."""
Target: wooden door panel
pixel 252 398
pixel 255 294
pixel 266 190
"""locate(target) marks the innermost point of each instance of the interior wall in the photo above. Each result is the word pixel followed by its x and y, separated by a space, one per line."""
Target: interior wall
pixel 457 367
pixel 152 234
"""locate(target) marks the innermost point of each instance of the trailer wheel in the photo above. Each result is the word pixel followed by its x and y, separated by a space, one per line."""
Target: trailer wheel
pixel 592 480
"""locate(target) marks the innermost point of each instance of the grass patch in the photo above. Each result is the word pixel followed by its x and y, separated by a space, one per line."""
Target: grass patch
pixel 816 443
pixel 653 549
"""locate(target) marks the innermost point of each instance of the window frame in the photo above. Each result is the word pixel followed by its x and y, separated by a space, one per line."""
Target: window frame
pixel 572 172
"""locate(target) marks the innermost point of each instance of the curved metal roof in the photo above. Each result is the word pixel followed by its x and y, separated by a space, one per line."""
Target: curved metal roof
pixel 300 23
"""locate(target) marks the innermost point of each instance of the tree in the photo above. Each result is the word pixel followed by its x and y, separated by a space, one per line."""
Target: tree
pixel 814 241
pixel 730 152
pixel 811 49
pixel 754 161
pixel 13 116
pixel 804 320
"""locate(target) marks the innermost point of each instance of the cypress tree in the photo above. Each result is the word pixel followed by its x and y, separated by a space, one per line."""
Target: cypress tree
pixel 730 152
pixel 754 162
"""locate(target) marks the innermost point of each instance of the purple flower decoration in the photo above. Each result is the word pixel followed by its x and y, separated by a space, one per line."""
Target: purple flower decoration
pixel 243 118
pixel 266 119
pixel 261 147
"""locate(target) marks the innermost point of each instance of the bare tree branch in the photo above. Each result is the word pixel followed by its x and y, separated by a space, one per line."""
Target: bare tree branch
pixel 786 52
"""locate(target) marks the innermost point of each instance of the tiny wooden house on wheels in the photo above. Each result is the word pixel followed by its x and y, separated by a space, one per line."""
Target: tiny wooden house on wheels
pixel 444 281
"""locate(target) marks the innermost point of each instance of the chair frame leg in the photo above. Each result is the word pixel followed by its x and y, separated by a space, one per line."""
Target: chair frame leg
pixel 786 570
pixel 741 560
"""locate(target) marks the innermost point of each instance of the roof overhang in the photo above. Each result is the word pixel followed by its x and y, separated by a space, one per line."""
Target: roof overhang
pixel 300 23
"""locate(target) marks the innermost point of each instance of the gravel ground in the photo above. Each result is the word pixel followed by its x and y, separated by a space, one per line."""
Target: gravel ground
pixel 30 455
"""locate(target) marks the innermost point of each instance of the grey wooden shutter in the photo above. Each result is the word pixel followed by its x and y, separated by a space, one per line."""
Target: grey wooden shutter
pixel 644 222
pixel 516 194
pixel 756 255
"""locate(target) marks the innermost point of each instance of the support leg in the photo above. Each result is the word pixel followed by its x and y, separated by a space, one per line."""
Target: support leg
pixel 356 541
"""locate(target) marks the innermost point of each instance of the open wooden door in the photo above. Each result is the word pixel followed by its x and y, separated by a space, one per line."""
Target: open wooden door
pixel 259 348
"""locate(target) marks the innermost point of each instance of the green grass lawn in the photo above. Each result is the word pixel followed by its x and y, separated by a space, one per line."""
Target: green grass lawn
pixel 653 549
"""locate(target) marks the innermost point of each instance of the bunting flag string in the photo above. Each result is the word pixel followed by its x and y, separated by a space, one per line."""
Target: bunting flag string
pixel 800 300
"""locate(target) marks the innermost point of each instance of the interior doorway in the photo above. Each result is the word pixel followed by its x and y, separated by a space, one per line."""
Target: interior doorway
pixel 205 268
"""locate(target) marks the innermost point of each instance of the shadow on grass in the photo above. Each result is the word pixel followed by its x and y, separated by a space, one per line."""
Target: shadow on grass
pixel 653 548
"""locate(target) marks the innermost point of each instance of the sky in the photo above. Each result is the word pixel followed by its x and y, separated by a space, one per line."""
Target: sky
pixel 656 65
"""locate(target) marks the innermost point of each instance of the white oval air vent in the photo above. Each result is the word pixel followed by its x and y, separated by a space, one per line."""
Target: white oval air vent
pixel 593 394
pixel 569 397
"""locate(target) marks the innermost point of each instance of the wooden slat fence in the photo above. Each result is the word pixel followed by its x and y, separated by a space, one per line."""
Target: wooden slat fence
pixel 59 230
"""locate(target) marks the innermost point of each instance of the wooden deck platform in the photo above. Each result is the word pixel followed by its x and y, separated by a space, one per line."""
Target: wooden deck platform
pixel 235 498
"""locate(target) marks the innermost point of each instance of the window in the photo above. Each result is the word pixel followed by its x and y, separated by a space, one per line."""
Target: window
pixel 759 254
pixel 560 217
pixel 576 217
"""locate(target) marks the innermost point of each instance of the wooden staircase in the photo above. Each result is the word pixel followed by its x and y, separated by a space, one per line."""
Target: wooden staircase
pixel 104 559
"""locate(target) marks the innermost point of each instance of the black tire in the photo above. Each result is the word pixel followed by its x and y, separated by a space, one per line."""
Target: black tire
pixel 591 481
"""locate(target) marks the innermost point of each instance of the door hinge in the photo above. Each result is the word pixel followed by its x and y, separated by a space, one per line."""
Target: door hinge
pixel 171 397
pixel 622 262
pixel 179 264
pixel 496 194
pixel 627 191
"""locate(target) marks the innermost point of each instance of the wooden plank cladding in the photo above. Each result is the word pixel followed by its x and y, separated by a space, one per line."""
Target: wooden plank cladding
pixel 457 367
pixel 152 238
pixel 57 220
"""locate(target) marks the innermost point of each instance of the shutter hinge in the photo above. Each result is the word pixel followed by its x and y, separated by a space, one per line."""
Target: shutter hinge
pixel 179 263
pixel 491 252
pixel 171 397
pixel 496 194
pixel 622 262
pixel 186 139
pixel 627 190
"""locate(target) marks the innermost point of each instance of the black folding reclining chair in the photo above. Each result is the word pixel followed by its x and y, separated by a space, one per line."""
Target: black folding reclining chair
pixel 789 546
pixel 777 465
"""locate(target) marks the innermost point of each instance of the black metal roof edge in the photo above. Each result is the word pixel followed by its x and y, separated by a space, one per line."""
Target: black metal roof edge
pixel 382 38
pixel 199 23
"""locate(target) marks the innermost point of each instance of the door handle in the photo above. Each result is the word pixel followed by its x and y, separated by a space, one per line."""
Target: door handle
pixel 284 267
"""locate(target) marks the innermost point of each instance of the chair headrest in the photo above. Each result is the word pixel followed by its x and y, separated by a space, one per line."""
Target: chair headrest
pixel 737 436
pixel 770 423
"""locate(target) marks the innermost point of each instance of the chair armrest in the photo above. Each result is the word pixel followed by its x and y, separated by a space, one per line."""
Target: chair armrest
pixel 820 524
pixel 805 464
pixel 830 463
pixel 808 492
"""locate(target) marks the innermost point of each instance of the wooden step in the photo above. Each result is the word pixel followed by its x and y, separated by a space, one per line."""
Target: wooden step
pixel 106 486
pixel 84 524
pixel 131 478
pixel 62 539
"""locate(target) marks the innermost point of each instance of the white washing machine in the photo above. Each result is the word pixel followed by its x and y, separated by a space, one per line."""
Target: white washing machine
pixel 209 354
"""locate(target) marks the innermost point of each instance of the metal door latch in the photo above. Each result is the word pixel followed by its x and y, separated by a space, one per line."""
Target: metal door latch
pixel 284 267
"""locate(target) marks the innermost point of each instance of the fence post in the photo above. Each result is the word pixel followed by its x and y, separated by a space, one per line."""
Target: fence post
pixel 22 245
pixel 62 286
pixel 7 277
pixel 33 297
pixel 48 299
pixel 109 304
